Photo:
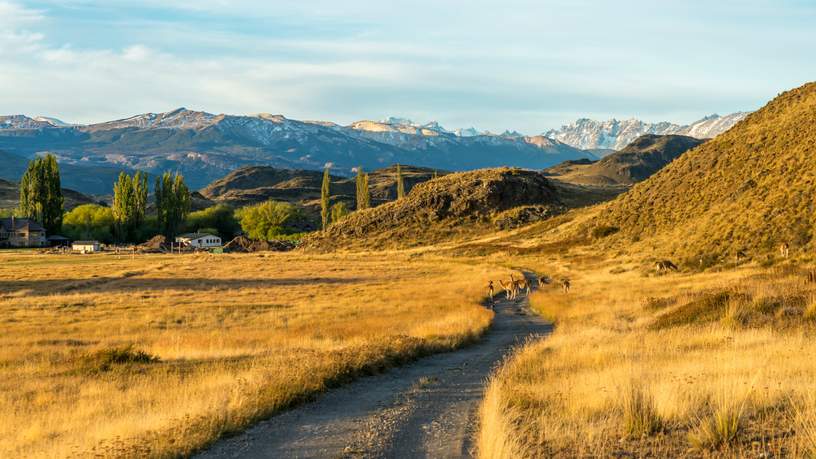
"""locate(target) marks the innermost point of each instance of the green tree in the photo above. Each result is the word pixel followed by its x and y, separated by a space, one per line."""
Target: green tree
pixel 89 221
pixel 325 198
pixel 363 196
pixel 435 174
pixel 129 204
pixel 400 183
pixel 339 211
pixel 172 203
pixel 41 193
pixel 269 220
pixel 219 217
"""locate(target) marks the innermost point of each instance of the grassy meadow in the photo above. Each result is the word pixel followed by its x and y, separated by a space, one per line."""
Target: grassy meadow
pixel 708 364
pixel 160 354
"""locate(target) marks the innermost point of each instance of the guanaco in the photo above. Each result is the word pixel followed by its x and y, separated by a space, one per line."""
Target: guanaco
pixel 784 249
pixel 521 284
pixel 543 280
pixel 490 291
pixel 509 290
pixel 565 285
pixel 665 265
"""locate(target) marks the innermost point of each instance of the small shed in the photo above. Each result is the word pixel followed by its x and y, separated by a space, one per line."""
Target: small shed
pixel 85 246
pixel 199 240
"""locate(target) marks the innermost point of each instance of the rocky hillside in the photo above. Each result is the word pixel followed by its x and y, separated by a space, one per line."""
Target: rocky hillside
pixel 615 134
pixel 439 209
pixel 750 188
pixel 205 147
pixel 638 161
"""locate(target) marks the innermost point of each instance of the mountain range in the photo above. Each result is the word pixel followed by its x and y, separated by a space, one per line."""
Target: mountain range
pixel 614 134
pixel 205 147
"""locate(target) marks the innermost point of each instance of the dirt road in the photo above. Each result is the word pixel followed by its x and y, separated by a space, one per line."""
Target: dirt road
pixel 425 409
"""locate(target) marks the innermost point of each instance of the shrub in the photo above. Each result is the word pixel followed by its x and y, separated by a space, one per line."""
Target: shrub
pixel 603 231
pixel 107 359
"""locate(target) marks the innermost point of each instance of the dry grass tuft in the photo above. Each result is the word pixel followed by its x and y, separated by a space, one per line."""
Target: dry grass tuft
pixel 720 428
pixel 640 415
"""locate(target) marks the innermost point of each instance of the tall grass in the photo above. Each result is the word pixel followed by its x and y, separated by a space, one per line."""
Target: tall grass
pixel 713 354
pixel 160 355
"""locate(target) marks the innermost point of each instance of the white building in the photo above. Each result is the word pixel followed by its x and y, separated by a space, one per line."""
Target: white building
pixel 85 246
pixel 199 240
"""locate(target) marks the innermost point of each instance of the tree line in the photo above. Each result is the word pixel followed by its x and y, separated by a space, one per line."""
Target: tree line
pixel 127 219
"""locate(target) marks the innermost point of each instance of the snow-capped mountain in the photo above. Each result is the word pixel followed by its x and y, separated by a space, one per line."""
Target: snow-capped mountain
pixel 24 122
pixel 616 134
pixel 204 146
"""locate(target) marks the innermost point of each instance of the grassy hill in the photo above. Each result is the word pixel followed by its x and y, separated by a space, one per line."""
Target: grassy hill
pixel 638 161
pixel 750 188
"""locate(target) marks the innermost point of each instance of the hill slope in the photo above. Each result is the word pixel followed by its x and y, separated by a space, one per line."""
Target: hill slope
pixel 439 209
pixel 749 188
pixel 638 161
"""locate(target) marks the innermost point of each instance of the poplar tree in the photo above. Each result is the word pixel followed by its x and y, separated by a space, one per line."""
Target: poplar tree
pixel 172 203
pixel 129 204
pixel 41 193
pixel 400 183
pixel 325 198
pixel 363 197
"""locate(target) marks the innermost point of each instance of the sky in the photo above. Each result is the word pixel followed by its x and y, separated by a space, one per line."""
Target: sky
pixel 524 65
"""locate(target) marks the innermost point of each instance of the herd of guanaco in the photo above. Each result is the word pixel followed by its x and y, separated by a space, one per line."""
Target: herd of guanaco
pixel 740 255
pixel 514 286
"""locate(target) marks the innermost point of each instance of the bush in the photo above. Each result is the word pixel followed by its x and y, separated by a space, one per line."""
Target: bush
pixel 603 231
pixel 269 220
pixel 89 221
pixel 107 359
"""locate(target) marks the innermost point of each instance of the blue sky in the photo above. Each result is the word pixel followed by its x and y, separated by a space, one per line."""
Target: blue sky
pixel 510 64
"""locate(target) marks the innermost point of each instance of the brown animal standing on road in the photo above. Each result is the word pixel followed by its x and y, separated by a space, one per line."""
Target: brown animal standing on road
pixel 543 280
pixel 509 289
pixel 521 284
pixel 490 292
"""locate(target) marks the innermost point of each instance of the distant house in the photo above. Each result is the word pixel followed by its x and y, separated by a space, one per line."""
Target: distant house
pixel 199 240
pixel 85 246
pixel 21 232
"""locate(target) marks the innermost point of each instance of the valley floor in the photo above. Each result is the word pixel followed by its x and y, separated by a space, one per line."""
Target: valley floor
pixel 160 354
pixel 718 363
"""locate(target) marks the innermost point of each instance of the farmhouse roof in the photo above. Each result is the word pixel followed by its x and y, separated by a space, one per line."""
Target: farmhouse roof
pixel 195 235
pixel 19 224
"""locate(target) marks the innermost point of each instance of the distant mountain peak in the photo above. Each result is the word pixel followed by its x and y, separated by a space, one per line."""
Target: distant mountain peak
pixel 587 134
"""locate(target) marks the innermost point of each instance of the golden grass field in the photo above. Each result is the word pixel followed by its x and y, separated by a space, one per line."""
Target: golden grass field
pixel 161 354
pixel 711 364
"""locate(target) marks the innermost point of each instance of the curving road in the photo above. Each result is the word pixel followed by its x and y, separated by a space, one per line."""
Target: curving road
pixel 424 409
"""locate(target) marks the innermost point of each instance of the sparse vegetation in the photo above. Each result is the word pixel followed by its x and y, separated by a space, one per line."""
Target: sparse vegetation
pixel 691 365
pixel 157 356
